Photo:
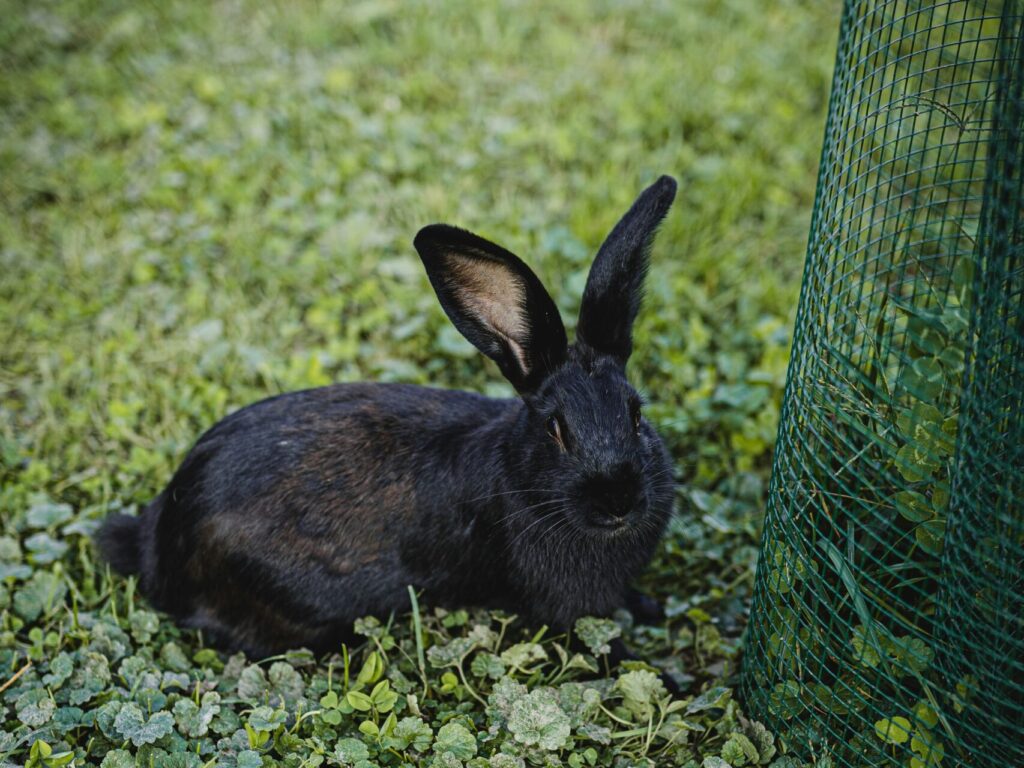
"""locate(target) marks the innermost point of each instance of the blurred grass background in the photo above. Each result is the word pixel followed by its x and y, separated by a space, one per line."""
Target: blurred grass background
pixel 206 203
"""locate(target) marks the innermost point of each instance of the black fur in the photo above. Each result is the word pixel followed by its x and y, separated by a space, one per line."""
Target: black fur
pixel 298 514
pixel 614 287
pixel 119 544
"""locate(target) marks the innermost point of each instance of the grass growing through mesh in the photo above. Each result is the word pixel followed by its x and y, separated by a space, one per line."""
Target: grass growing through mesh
pixel 204 205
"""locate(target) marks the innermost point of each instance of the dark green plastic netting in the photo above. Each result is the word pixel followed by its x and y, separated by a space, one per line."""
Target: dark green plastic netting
pixel 887 626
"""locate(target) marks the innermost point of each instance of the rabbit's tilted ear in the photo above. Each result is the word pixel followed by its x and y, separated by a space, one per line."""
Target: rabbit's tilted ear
pixel 615 284
pixel 497 303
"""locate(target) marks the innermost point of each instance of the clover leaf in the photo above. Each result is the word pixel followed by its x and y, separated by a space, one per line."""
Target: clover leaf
pixel 194 719
pixel 597 634
pixel 487 665
pixel 537 719
pixel 410 732
pixel 895 730
pixel 46 513
pixel 133 724
pixel 40 594
pixel 455 739
pixel 522 655
pixel 35 707
pixel 351 751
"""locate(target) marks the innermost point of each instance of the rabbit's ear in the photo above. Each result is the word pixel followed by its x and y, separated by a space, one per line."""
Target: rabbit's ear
pixel 497 303
pixel 615 284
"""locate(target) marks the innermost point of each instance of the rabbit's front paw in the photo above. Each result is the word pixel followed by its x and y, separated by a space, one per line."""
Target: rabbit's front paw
pixel 645 609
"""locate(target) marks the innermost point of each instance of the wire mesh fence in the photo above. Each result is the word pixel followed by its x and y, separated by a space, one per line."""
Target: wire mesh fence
pixel 888 620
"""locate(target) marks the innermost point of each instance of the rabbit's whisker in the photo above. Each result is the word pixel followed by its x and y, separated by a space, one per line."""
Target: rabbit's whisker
pixel 558 528
pixel 528 528
pixel 560 525
pixel 660 473
pixel 576 536
pixel 517 512
pixel 509 493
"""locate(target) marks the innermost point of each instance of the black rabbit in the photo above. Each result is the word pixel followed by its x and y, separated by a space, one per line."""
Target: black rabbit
pixel 296 515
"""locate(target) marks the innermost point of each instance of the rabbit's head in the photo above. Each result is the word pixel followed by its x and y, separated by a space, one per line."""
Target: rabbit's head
pixel 584 435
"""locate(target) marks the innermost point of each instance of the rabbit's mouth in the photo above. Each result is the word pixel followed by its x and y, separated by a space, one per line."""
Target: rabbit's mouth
pixel 612 519
pixel 609 531
pixel 610 525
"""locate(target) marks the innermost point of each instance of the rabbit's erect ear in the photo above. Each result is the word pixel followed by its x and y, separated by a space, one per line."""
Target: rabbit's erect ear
pixel 497 303
pixel 614 289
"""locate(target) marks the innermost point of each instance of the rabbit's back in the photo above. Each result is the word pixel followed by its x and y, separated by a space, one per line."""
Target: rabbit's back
pixel 296 515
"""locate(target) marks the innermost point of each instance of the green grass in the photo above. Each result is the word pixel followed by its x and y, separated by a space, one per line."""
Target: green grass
pixel 206 204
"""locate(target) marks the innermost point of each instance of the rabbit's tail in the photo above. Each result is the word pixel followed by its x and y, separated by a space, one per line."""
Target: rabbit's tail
pixel 120 543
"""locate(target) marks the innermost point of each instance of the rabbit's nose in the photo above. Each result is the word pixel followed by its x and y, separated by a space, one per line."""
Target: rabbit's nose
pixel 614 494
pixel 619 501
pixel 619 508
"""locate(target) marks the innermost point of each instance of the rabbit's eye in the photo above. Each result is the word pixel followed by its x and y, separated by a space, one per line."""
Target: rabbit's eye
pixel 557 430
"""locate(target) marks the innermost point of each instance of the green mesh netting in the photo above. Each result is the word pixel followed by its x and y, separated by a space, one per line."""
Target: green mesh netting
pixel 887 626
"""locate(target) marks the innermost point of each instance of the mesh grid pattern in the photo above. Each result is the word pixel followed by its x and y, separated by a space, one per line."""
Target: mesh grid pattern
pixel 888 619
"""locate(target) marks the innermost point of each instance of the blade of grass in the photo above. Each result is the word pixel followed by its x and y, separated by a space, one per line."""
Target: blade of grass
pixel 417 627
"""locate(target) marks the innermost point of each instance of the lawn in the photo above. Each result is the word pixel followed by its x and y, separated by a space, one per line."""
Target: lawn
pixel 204 204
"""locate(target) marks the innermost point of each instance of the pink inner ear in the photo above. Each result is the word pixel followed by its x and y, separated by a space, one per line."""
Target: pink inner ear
pixel 494 296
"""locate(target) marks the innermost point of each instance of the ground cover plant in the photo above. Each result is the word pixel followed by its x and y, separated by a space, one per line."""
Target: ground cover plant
pixel 206 204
